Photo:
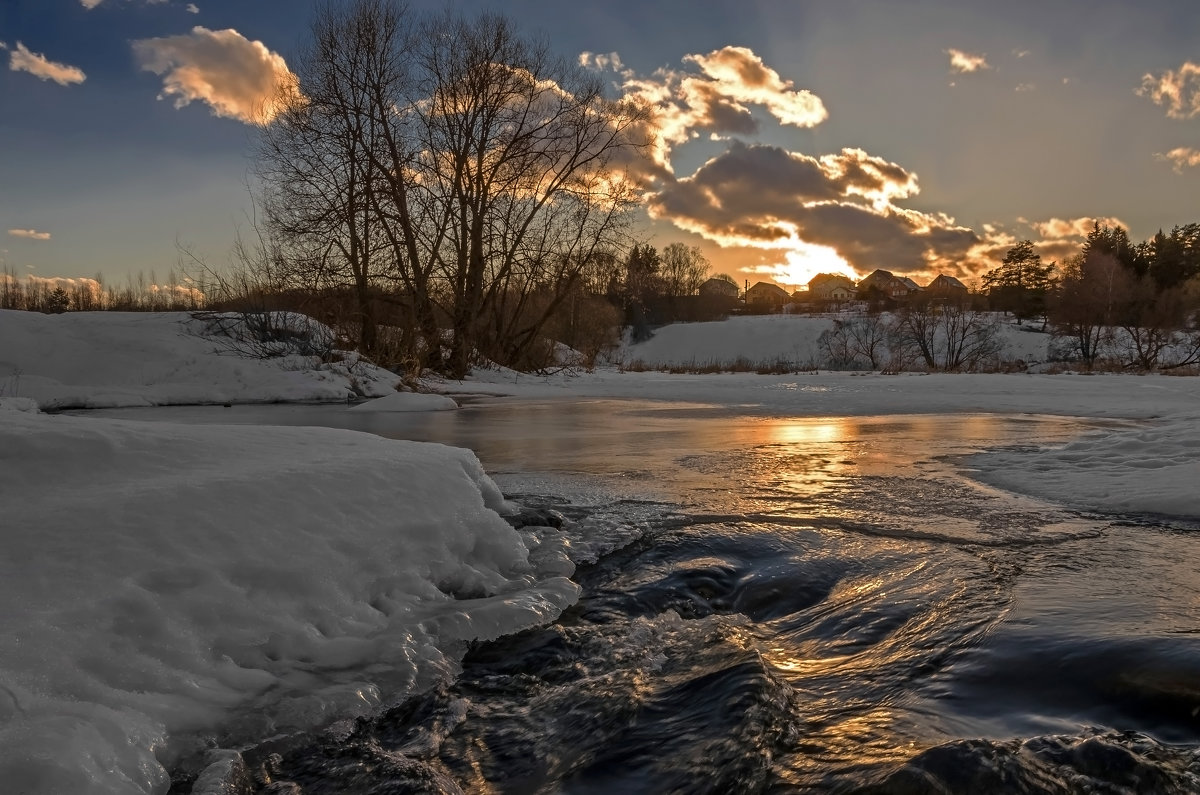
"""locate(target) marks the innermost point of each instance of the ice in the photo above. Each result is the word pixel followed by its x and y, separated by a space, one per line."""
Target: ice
pixel 165 583
pixel 408 401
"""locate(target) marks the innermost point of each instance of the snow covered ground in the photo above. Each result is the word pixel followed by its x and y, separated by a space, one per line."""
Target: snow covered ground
pixel 107 359
pixel 791 338
pixel 162 581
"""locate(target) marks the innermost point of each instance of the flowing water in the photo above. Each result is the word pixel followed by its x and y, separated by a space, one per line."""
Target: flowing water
pixel 779 605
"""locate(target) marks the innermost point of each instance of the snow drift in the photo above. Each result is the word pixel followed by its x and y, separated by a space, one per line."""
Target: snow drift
pixel 108 359
pixel 169 588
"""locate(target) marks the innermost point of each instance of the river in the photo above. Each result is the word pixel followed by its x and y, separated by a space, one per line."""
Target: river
pixel 777 604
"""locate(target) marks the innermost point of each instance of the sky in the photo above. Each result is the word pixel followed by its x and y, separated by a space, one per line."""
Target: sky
pixel 795 136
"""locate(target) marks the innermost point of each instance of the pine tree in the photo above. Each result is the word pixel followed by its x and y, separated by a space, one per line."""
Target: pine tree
pixel 58 302
pixel 1021 283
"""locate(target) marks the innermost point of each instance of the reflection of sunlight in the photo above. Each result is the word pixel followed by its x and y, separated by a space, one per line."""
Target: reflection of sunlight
pixel 798 457
pixel 807 431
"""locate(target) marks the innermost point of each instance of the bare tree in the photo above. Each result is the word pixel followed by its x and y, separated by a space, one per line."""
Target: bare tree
pixel 948 335
pixel 682 268
pixel 449 163
pixel 1085 305
pixel 521 155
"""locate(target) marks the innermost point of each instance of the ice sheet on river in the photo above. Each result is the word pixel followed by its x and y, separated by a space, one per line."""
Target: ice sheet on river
pixel 165 585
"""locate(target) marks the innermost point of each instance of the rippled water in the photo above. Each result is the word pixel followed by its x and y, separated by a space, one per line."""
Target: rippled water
pixel 828 605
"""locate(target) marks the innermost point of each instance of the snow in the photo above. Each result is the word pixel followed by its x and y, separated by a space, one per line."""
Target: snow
pixel 769 338
pixel 163 581
pixel 408 401
pixel 168 588
pixel 108 359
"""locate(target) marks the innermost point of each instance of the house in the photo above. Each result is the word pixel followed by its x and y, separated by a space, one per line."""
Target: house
pixel 946 287
pixel 890 285
pixel 830 287
pixel 765 294
pixel 719 288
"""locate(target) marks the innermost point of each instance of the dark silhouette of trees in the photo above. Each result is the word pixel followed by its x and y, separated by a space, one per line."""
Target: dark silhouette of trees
pixel 643 285
pixel 450 164
pixel 682 269
pixel 1022 283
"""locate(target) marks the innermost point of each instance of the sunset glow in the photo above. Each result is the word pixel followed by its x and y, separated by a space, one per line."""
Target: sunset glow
pixel 784 139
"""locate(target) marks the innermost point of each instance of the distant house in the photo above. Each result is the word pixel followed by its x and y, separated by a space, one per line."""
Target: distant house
pixel 890 285
pixel 946 287
pixel 830 287
pixel 719 288
pixel 765 294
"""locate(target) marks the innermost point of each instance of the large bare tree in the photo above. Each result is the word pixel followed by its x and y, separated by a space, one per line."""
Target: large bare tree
pixel 450 162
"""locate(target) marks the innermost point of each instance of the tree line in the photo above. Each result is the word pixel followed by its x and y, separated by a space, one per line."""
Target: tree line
pixel 1134 304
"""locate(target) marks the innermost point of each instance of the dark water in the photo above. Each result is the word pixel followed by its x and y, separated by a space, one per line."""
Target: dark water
pixel 824 605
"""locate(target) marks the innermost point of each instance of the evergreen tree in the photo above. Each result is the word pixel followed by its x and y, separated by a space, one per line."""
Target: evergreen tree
pixel 58 302
pixel 643 285
pixel 1022 282
pixel 1114 242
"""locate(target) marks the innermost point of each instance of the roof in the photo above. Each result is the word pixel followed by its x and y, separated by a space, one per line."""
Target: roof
pixel 947 282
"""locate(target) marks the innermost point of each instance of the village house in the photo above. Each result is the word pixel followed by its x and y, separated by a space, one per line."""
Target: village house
pixel 719 288
pixel 891 286
pixel 830 288
pixel 946 287
pixel 766 295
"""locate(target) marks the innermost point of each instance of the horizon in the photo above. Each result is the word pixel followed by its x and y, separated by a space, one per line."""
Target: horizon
pixel 792 141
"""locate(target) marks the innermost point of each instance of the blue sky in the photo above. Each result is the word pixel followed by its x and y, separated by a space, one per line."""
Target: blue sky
pixel 916 136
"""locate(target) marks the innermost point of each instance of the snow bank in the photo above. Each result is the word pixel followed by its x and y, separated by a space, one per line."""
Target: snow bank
pixel 1141 470
pixel 169 587
pixel 770 338
pixel 110 359
pixel 408 401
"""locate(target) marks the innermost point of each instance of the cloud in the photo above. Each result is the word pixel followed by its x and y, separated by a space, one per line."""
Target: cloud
pixel 1180 158
pixel 22 60
pixel 603 62
pixel 767 197
pixel 192 8
pixel 1176 89
pixel 785 212
pixel 237 78
pixel 742 77
pixel 718 99
pixel 29 234
pixel 1022 88
pixel 1059 228
pixel 962 62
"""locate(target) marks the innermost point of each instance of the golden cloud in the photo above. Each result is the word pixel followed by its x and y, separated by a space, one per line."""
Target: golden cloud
pixel 236 77
pixel 29 234
pixel 1180 158
pixel 1176 89
pixel 1059 228
pixel 768 197
pixel 963 62
pixel 22 60
pixel 742 77
pixel 717 100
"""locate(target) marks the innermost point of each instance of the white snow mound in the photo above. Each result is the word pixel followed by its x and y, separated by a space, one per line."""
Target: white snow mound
pixel 408 401
pixel 111 359
pixel 165 585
